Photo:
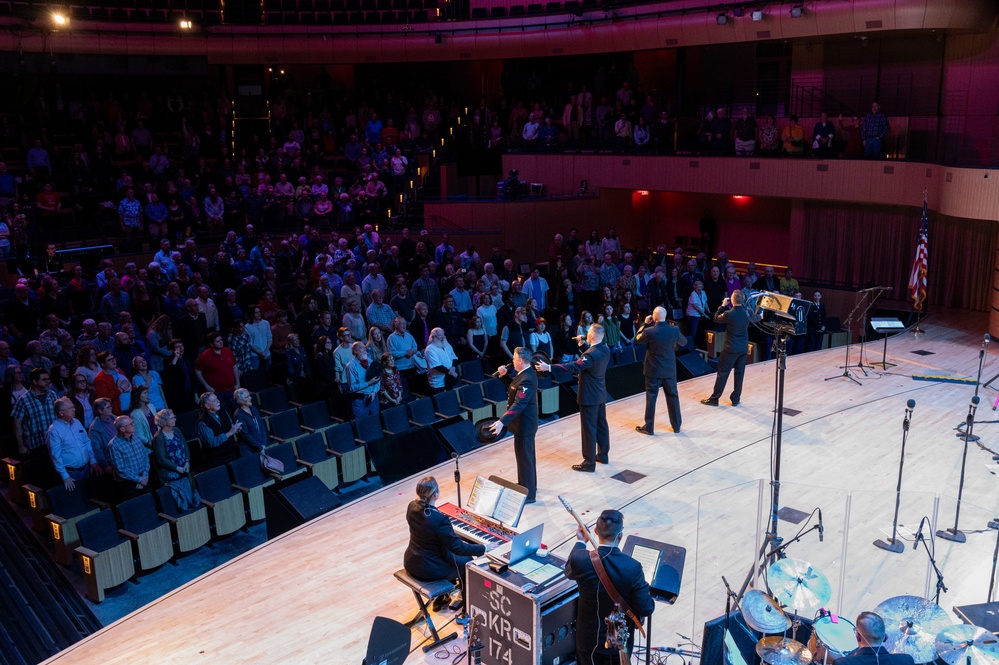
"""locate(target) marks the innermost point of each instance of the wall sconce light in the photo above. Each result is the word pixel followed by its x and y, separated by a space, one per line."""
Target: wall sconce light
pixel 757 15
pixel 721 19
pixel 796 11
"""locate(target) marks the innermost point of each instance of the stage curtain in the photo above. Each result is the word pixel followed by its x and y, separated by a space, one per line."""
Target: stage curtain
pixel 857 247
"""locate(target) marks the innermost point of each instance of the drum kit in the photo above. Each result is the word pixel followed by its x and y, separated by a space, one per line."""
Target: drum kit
pixel 913 625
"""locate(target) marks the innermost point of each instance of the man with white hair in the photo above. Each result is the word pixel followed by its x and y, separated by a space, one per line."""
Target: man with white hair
pixel 660 339
pixel 441 361
pixel 69 446
pixel 734 353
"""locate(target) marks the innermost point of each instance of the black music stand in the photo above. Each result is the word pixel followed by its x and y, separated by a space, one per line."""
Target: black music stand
pixel 665 579
pixel 885 325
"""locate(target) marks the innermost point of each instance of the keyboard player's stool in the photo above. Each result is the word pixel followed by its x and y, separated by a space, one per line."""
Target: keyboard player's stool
pixel 425 593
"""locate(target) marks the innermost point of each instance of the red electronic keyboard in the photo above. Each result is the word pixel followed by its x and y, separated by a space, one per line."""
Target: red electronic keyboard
pixel 476 528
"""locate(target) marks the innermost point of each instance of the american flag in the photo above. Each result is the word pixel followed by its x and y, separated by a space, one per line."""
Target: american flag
pixel 917 280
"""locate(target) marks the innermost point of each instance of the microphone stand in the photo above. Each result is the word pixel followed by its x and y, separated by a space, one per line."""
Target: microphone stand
pixel 978 384
pixel 893 544
pixel 877 291
pixel 941 587
pixel 994 524
pixel 953 534
pixel 849 341
pixel 457 475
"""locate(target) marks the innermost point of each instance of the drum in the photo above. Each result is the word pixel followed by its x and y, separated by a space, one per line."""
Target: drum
pixel 831 641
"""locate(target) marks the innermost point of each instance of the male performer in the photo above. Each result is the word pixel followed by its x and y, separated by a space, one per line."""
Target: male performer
pixel 870 632
pixel 736 319
pixel 521 418
pixel 596 601
pixel 592 397
pixel 660 339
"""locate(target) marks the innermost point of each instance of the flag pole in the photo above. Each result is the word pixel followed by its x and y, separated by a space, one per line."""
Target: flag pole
pixel 917 331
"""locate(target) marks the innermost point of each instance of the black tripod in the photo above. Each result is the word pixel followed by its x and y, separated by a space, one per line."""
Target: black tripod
pixel 892 544
pixel 954 534
pixel 772 541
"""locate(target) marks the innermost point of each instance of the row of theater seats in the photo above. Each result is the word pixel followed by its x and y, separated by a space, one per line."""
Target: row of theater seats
pixel 113 545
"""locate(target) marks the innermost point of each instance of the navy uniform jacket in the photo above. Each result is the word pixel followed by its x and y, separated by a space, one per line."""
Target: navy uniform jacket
pixel 522 401
pixel 595 603
pixel 433 544
pixel 876 656
pixel 591 367
pixel 661 339
pixel 736 322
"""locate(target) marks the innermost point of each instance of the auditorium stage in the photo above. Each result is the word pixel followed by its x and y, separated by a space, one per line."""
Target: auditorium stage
pixel 311 595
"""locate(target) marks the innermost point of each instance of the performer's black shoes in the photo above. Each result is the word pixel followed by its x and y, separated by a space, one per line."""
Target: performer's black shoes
pixel 589 468
pixel 736 403
pixel 641 430
pixel 709 402
pixel 602 459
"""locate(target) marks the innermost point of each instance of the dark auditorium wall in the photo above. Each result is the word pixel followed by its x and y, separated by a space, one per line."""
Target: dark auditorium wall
pixel 753 228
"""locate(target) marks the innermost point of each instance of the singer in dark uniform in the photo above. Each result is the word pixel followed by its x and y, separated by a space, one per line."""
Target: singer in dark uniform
pixel 521 418
pixel 870 629
pixel 591 368
pixel 595 603
pixel 435 551
pixel 660 339
pixel 736 318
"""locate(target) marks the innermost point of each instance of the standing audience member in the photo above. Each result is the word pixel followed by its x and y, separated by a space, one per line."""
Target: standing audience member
pixel 69 447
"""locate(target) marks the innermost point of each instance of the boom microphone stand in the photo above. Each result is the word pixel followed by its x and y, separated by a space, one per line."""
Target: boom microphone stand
pixel 849 341
pixel 954 534
pixel 994 524
pixel 978 382
pixel 892 544
pixel 933 562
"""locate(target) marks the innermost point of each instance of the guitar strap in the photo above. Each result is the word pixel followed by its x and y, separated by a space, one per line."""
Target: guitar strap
pixel 598 565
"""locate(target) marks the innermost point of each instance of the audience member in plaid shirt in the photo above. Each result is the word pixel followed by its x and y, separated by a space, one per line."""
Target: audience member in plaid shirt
pixel 239 344
pixel 129 458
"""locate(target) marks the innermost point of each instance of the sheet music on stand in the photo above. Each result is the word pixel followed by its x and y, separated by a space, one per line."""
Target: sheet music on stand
pixel 886 324
pixel 497 499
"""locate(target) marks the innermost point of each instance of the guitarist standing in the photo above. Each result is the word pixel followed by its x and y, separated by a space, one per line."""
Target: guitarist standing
pixel 605 576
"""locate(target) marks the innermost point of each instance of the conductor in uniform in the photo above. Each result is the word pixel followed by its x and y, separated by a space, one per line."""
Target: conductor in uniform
pixel 660 339
pixel 591 367
pixel 595 603
pixel 521 418
pixel 736 318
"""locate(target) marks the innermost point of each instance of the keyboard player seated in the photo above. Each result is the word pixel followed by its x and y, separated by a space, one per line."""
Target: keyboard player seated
pixel 435 551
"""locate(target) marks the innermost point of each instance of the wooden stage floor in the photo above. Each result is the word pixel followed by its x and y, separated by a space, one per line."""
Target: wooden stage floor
pixel 311 595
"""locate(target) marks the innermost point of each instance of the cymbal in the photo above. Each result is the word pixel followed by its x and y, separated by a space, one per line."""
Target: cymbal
pixel 762 613
pixel 797 585
pixel 911 626
pixel 963 643
pixel 778 650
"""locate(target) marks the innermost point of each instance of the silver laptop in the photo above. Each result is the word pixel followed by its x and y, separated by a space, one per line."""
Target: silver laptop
pixel 522 546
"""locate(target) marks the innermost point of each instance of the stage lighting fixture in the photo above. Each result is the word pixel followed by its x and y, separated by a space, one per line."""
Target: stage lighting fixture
pixel 60 20
pixel 721 19
pixel 186 24
pixel 757 15
pixel 796 11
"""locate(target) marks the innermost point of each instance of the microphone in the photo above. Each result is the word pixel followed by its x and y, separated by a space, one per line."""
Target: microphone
pixel 822 529
pixel 919 534
pixel 910 405
pixel 454 455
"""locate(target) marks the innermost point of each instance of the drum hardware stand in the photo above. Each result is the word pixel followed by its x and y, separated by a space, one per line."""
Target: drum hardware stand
pixel 772 540
pixel 994 524
pixel 846 366
pixel 978 383
pixel 941 587
pixel 954 534
pixel 893 544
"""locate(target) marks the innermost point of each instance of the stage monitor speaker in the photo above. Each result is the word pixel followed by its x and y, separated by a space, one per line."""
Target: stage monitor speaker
pixel 691 366
pixel 405 454
pixel 295 501
pixel 712 645
pixel 457 434
pixel 625 380
pixel 388 643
